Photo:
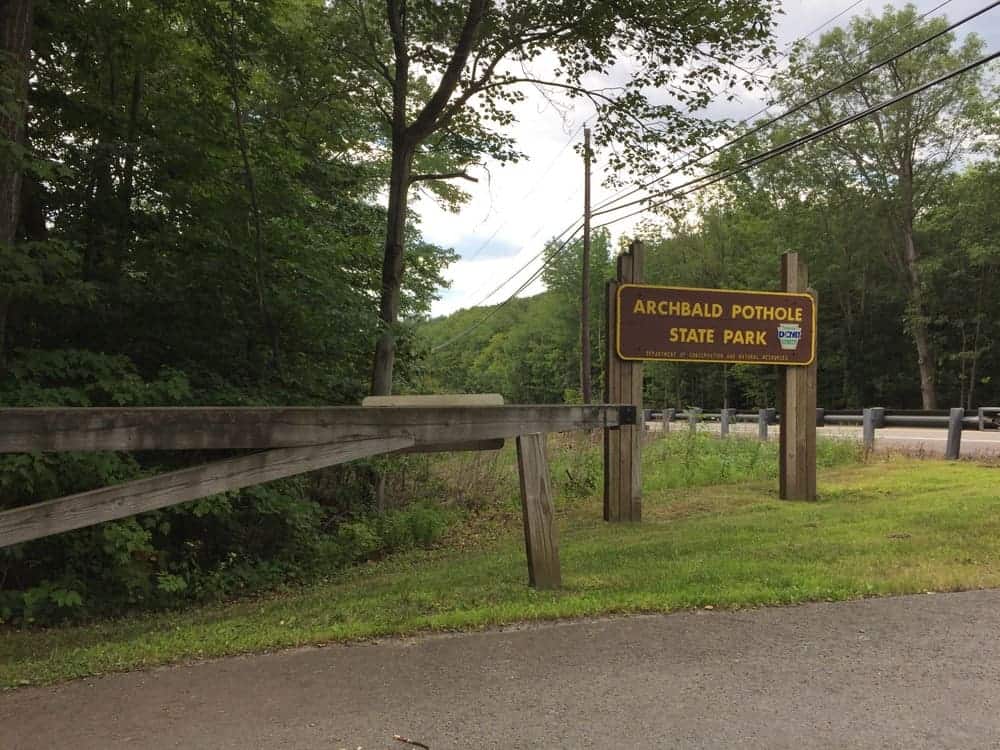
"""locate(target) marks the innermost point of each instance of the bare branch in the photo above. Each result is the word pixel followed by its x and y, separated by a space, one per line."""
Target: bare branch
pixel 463 175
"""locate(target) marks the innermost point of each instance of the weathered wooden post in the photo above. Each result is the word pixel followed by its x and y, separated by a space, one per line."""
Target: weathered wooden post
pixel 725 418
pixel 954 445
pixel 541 539
pixel 762 424
pixel 622 385
pixel 668 417
pixel 797 401
pixel 694 417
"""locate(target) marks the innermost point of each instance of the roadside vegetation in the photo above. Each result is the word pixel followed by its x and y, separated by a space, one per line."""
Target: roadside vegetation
pixel 711 537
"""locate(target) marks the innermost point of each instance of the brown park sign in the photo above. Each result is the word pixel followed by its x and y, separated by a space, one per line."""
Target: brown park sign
pixel 715 325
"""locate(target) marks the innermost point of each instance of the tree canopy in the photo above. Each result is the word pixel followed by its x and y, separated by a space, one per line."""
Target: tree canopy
pixel 443 77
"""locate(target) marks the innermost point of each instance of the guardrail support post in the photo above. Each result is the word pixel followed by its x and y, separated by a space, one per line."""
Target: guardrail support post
pixel 762 424
pixel 727 416
pixel 878 417
pixel 981 414
pixel 868 429
pixel 954 445
pixel 820 417
pixel 694 416
pixel 668 417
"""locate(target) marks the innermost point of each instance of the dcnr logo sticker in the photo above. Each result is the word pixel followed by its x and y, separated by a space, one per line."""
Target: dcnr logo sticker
pixel 789 335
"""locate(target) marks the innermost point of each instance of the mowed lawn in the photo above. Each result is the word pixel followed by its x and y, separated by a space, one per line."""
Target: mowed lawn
pixel 888 527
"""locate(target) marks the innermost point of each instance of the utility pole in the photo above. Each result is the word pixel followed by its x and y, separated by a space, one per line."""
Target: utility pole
pixel 585 388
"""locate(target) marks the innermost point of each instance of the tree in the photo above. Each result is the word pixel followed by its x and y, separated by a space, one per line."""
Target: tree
pixel 443 75
pixel 16 25
pixel 563 278
pixel 187 159
pixel 964 274
pixel 899 156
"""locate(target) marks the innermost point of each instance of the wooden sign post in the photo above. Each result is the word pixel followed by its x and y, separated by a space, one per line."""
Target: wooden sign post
pixel 623 385
pixel 724 326
pixel 797 400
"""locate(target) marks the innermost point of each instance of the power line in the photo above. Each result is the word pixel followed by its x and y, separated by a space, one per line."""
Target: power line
pixel 612 198
pixel 530 260
pixel 631 191
pixel 674 168
pixel 743 166
pixel 795 143
pixel 545 173
pixel 494 310
pixel 831 20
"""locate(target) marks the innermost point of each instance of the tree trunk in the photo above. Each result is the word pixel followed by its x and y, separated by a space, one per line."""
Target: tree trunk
pixel 918 324
pixel 918 312
pixel 102 220
pixel 16 21
pixel 975 340
pixel 392 267
pixel 250 181
pixel 127 187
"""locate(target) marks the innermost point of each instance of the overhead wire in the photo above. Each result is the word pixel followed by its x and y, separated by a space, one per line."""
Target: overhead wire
pixel 633 191
pixel 795 143
pixel 743 166
pixel 676 167
pixel 537 183
pixel 495 309
pixel 799 107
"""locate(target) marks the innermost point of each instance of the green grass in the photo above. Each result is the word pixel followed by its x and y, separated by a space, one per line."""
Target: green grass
pixel 886 528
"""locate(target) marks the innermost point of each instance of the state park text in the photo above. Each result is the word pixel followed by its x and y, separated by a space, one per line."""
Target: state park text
pixel 715 325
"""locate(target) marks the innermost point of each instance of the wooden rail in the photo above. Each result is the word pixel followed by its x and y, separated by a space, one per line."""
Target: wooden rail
pixel 33 430
pixel 288 441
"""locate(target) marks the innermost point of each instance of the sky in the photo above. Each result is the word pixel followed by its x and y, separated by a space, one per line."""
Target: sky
pixel 515 208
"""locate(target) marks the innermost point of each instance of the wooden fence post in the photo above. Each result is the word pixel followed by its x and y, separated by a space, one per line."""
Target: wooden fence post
pixel 797 401
pixel 694 417
pixel 953 447
pixel 762 424
pixel 541 539
pixel 622 385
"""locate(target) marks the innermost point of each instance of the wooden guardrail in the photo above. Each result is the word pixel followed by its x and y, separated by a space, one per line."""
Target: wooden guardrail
pixel 288 441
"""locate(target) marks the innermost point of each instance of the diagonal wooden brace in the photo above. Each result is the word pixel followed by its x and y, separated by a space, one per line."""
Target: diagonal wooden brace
pixel 172 488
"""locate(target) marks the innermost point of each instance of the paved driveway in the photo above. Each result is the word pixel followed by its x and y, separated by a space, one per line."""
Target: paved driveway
pixel 906 672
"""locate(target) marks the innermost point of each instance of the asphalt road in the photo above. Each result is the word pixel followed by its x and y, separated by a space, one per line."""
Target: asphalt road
pixel 906 672
pixel 914 440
